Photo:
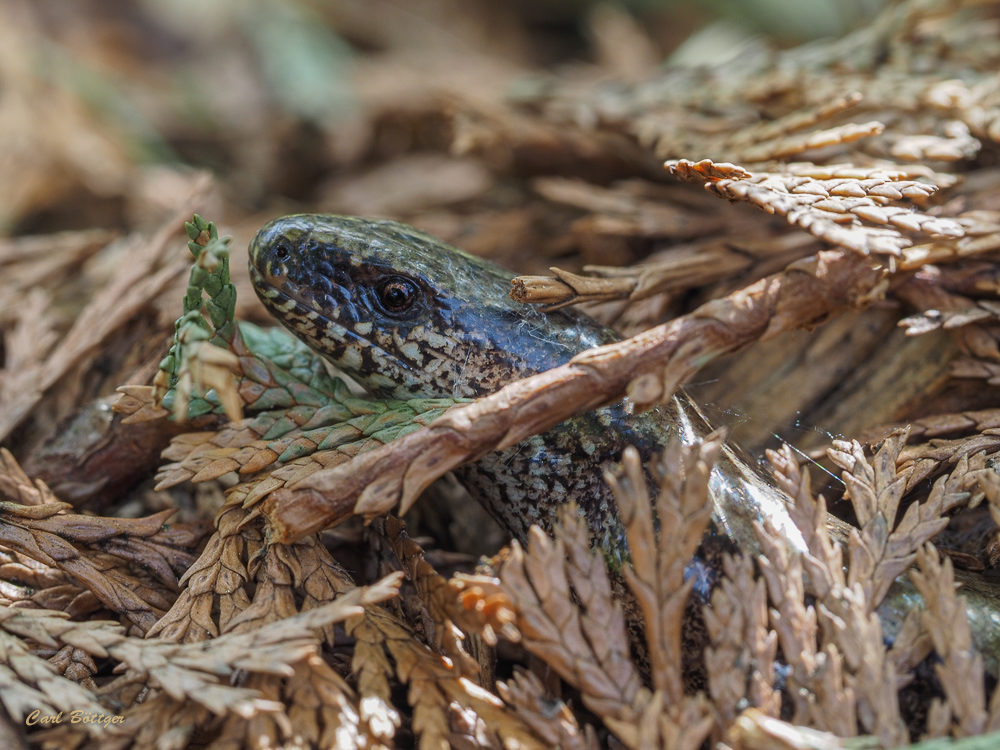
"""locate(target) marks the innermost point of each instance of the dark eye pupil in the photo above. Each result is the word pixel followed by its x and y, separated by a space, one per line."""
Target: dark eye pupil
pixel 282 252
pixel 397 296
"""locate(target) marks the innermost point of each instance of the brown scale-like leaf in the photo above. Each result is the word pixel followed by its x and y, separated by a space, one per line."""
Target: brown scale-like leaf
pixel 656 577
pixel 549 718
pixel 740 660
pixel 217 578
pixel 839 220
pixel 963 712
pixel 77 665
pixel 434 591
pixel 550 625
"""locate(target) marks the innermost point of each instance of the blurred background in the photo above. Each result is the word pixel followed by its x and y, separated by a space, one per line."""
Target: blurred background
pixel 335 105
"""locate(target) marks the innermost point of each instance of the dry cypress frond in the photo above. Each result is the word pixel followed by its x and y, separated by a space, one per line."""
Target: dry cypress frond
pixel 920 461
pixel 29 683
pixel 548 717
pixel 963 712
pixel 568 289
pixel 256 444
pixel 422 668
pixel 206 367
pixel 740 660
pixel 478 605
pixel 434 592
pixel 283 574
pixel 820 698
pixel 26 348
pixel 29 583
pixel 656 577
pixel 321 711
pixel 971 324
pixel 851 677
pixel 18 487
pixel 877 557
pixel 192 672
pixel 109 554
pixel 216 579
pixel 955 143
pixel 138 404
pixel 755 730
pixel 188 683
pixel 25 532
pixel 274 595
pixel 839 220
pixel 627 207
pixel 324 709
pixel 469 732
pixel 987 483
pixel 28 262
pixel 793 144
pixel 370 663
pixel 161 720
pixel 583 639
pixel 433 683
pixel 554 628
pixel 938 424
pixel 967 367
pixel 679 268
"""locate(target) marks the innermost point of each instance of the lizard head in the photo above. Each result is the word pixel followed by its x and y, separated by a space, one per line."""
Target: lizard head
pixel 403 313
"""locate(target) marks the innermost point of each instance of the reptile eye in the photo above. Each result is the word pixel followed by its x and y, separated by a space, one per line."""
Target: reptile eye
pixel 282 252
pixel 396 294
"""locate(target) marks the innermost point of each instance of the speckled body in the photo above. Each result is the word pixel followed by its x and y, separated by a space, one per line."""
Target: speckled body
pixel 462 335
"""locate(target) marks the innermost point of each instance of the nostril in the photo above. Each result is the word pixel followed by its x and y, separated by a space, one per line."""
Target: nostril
pixel 282 252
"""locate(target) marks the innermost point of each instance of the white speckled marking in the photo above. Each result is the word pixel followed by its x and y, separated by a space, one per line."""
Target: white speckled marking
pixel 351 358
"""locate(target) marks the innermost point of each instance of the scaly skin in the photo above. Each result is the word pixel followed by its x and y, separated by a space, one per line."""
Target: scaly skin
pixel 333 281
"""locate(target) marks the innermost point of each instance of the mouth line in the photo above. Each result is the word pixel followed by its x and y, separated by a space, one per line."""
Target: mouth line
pixel 331 326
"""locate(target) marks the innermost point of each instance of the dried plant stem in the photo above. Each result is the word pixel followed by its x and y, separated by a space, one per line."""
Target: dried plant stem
pixel 647 368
